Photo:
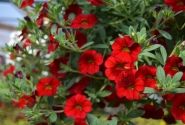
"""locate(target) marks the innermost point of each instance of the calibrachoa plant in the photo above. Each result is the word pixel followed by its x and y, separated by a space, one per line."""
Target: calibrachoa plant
pixel 99 62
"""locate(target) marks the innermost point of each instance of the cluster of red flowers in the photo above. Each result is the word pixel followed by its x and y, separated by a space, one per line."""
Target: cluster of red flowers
pixel 129 80
pixel 120 68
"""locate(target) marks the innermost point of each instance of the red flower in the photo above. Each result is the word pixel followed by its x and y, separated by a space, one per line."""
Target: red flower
pixel 177 5
pixel 173 65
pixel 178 107
pixel 9 70
pixel 72 11
pixel 80 122
pixel 26 3
pixel 84 21
pixel 78 88
pixel 47 86
pixel 148 73
pixel 118 63
pixel 53 44
pixel 77 107
pixel 26 43
pixel 43 14
pixel 151 111
pixel 80 38
pixel 130 86
pixel 24 101
pixel 169 97
pixel 96 2
pixel 55 67
pixel 126 44
pixel 90 62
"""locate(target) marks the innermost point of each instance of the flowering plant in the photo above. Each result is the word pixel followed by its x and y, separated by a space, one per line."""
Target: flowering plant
pixel 99 62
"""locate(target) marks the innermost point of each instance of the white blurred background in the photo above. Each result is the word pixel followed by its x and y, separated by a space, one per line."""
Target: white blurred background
pixel 9 15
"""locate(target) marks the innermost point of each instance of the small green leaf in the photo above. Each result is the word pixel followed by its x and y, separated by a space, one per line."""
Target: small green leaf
pixel 148 54
pixel 149 90
pixel 160 74
pixel 135 113
pixel 87 45
pixel 152 47
pixel 168 79
pixel 53 117
pixel 177 77
pixel 93 120
pixel 159 57
pixel 114 121
pixel 104 93
pixel 102 32
pixel 179 90
pixel 163 53
pixel 104 46
pixel 165 34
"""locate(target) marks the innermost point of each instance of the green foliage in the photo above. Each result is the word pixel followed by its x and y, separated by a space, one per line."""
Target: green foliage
pixel 143 20
pixel 153 54
pixel 93 120
pixel 166 82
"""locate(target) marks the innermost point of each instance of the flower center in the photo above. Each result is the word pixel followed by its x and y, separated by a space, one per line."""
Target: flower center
pixel 79 107
pixel 130 86
pixel 48 87
pixel 149 76
pixel 126 49
pixel 121 66
pixel 90 61
pixel 175 68
pixel 84 22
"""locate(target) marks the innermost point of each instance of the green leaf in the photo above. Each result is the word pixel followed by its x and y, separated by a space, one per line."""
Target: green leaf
pixel 148 54
pixel 104 93
pixel 149 90
pixel 179 90
pixel 135 113
pixel 93 120
pixel 114 121
pixel 163 53
pixel 177 77
pixel 168 79
pixel 152 47
pixel 160 74
pixel 165 34
pixel 53 117
pixel 87 45
pixel 104 46
pixel 159 57
pixel 182 55
pixel 102 32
